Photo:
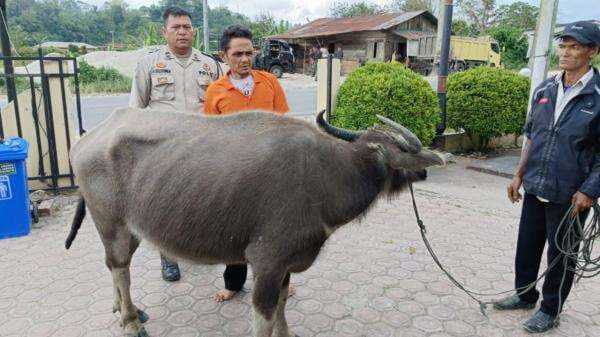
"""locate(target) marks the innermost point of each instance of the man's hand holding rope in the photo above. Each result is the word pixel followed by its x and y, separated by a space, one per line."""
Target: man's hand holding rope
pixel 581 202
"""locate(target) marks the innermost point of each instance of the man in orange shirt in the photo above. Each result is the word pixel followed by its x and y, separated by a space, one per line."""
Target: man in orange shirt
pixel 243 89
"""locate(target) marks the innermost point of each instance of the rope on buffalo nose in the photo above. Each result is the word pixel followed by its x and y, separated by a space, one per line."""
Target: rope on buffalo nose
pixel 577 245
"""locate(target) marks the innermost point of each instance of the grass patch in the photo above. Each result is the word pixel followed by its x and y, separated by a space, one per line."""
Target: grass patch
pixel 110 87
pixel 92 80
pixel 102 80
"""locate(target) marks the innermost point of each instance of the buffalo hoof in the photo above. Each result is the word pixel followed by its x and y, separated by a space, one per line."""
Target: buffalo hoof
pixel 141 333
pixel 289 334
pixel 142 316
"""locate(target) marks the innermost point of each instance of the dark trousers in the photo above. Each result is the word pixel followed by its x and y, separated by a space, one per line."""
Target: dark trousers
pixel 539 223
pixel 235 276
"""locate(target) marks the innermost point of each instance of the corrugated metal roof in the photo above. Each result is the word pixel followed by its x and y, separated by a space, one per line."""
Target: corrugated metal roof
pixel 334 26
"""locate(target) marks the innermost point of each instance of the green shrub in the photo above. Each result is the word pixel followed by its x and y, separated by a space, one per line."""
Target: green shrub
pixel 33 52
pixel 391 90
pixel 21 84
pixel 513 45
pixel 102 80
pixel 73 50
pixel 487 103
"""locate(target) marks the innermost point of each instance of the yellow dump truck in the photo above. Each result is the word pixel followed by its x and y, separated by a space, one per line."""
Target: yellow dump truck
pixel 465 52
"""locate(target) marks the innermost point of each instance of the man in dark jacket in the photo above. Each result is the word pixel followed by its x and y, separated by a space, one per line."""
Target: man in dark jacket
pixel 559 167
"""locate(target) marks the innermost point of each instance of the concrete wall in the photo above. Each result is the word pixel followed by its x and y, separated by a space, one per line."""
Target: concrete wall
pixel 322 83
pixel 460 143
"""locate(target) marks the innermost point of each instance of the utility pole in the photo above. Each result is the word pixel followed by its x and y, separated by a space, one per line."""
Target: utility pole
pixel 443 68
pixel 542 43
pixel 440 31
pixel 112 33
pixel 205 23
pixel 8 65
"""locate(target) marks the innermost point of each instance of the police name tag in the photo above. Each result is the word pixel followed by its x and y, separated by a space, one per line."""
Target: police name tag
pixel 7 169
pixel 161 71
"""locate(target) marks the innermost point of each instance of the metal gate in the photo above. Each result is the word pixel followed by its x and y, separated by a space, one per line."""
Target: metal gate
pixel 37 118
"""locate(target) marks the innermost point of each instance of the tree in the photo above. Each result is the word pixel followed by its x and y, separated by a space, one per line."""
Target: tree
pixel 284 26
pixel 412 5
pixel 175 3
pixel 263 25
pixel 36 21
pixel 118 11
pixel 482 13
pixel 221 17
pixel 347 10
pixel 460 27
pixel 17 8
pixel 197 11
pixel 518 15
pixel 513 45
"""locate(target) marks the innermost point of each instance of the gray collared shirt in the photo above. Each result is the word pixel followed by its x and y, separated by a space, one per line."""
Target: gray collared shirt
pixel 563 97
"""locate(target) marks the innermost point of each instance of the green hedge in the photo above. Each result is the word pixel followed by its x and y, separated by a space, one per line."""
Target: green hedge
pixel 391 90
pixel 487 103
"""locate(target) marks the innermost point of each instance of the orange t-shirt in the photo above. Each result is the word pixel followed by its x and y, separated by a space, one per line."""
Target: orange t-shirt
pixel 223 98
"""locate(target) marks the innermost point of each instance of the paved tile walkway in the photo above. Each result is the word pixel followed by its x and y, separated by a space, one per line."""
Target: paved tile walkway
pixel 372 278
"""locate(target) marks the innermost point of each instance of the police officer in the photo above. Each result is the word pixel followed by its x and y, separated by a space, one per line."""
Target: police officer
pixel 174 77
pixel 559 167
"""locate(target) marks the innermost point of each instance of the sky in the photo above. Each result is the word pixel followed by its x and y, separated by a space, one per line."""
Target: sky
pixel 298 11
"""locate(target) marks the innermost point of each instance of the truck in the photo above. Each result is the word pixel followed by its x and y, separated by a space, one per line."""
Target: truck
pixel 274 56
pixel 465 53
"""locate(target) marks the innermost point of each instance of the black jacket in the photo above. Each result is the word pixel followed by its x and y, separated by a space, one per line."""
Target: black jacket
pixel 564 157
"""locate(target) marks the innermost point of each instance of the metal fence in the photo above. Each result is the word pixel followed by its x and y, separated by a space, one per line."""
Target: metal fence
pixel 44 137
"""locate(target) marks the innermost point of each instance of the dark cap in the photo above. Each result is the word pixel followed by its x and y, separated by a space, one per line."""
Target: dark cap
pixel 585 32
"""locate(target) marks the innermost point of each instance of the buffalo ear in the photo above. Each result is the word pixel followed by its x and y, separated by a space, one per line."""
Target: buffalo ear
pixel 375 146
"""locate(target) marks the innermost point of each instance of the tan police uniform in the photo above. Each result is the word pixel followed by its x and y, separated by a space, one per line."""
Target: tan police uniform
pixel 162 82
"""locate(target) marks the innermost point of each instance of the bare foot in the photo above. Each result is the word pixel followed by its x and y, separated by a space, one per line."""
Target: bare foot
pixel 291 291
pixel 224 295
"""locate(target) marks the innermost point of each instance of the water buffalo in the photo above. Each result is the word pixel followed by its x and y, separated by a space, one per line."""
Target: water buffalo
pixel 254 188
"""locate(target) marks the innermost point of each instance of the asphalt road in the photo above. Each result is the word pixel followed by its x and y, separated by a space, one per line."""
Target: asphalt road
pixel 94 109
pixel 302 99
